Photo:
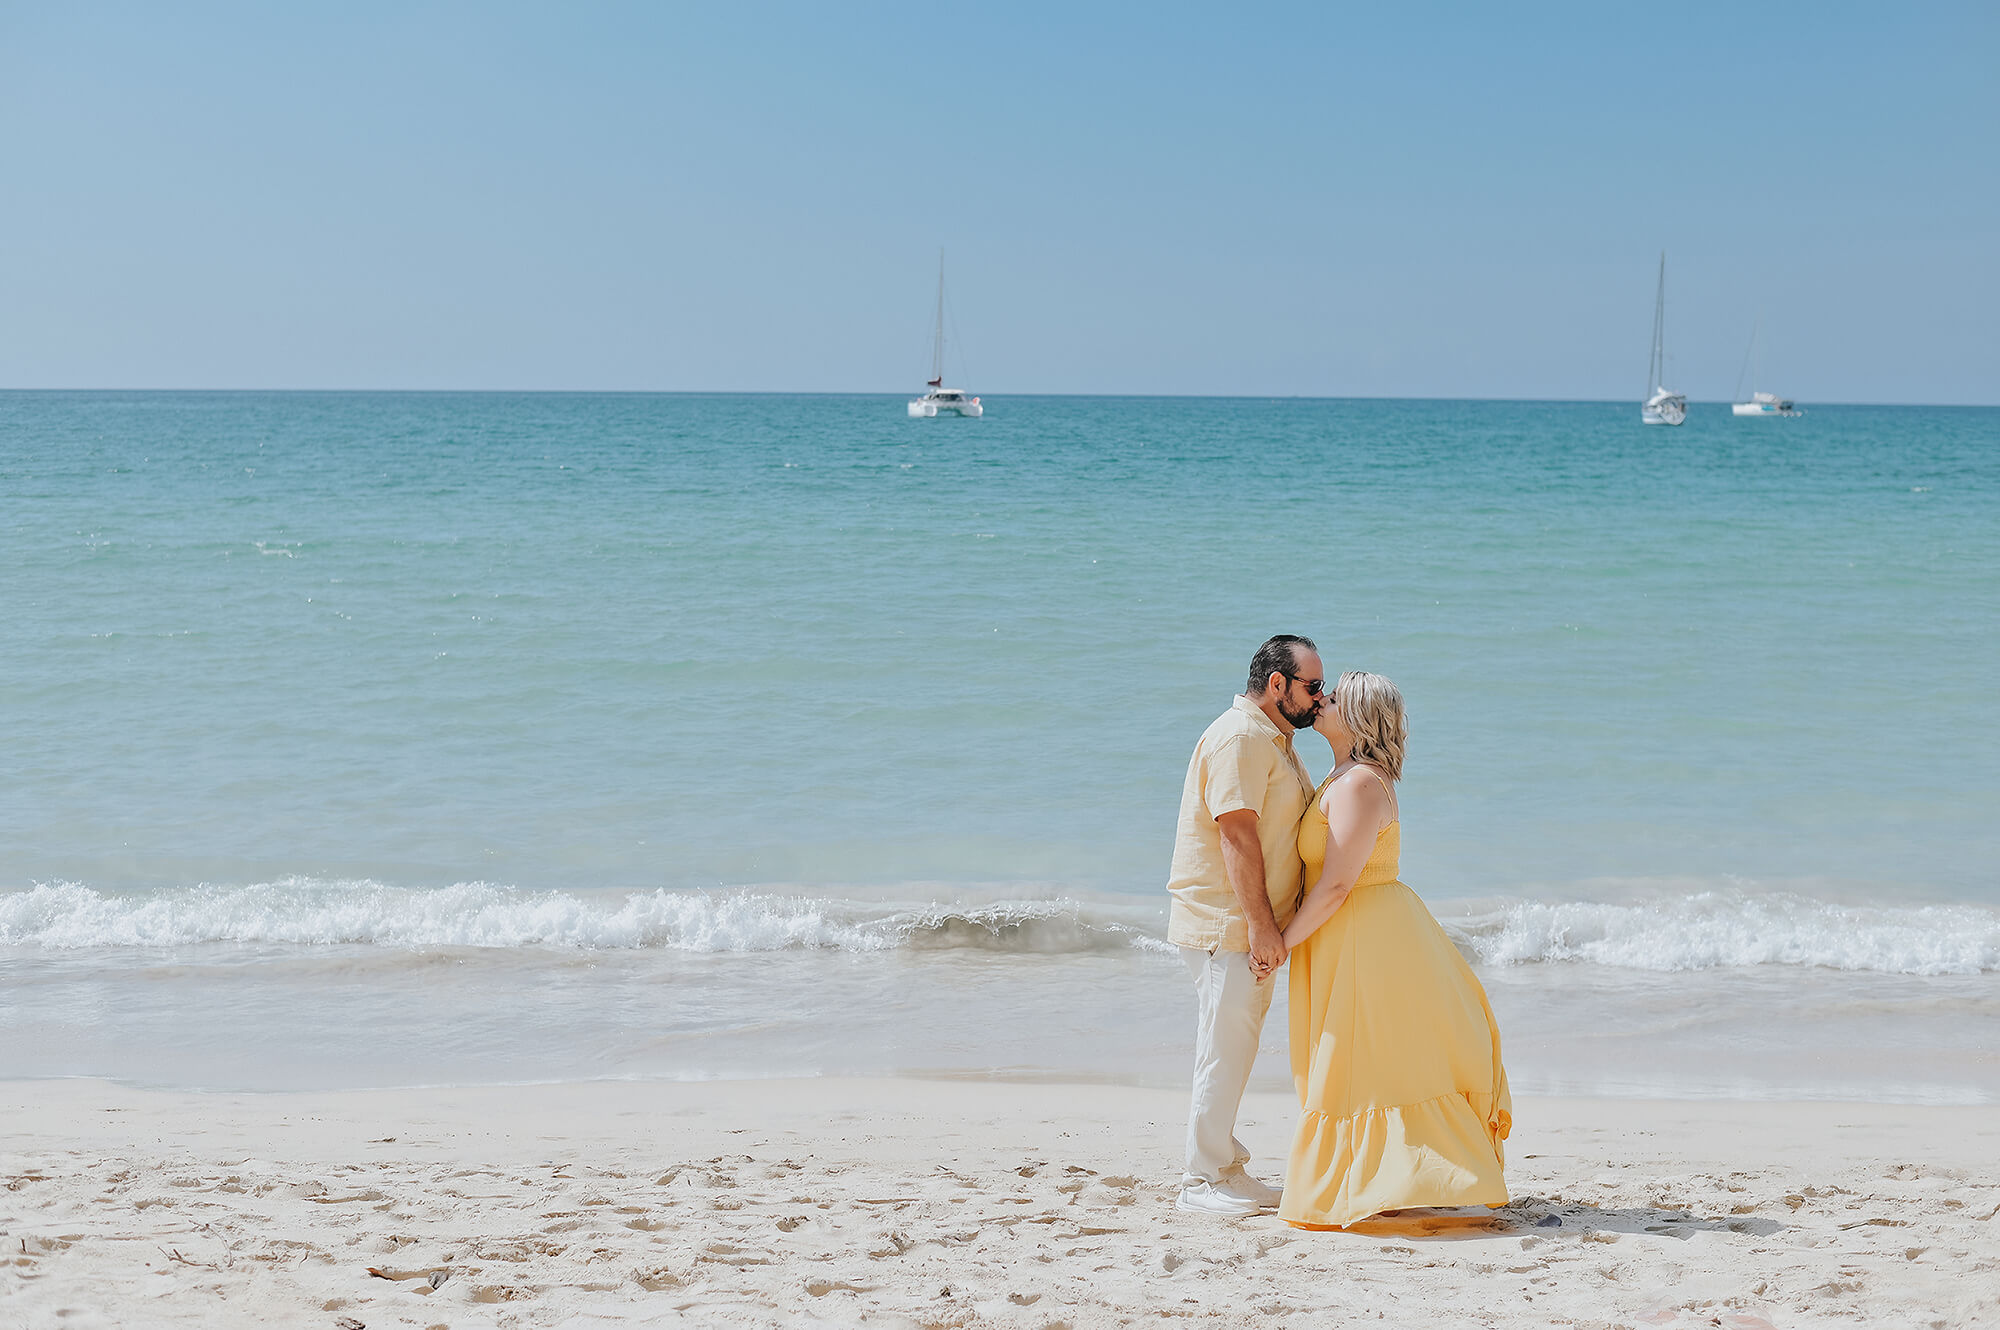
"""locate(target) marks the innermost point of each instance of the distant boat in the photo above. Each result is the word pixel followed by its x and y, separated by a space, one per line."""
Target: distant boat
pixel 939 400
pixel 1760 403
pixel 1661 407
pixel 1765 404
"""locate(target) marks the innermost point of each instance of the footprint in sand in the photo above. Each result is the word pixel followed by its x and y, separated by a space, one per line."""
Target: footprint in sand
pixel 897 1244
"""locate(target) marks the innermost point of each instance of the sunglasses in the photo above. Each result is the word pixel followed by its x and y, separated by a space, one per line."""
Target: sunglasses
pixel 1314 687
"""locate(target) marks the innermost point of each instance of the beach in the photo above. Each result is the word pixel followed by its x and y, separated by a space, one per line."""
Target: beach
pixel 951 1203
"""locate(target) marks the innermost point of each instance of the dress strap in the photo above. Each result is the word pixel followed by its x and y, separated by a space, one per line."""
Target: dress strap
pixel 1379 777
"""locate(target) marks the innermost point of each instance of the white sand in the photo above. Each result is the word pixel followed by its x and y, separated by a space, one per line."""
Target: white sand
pixel 951 1204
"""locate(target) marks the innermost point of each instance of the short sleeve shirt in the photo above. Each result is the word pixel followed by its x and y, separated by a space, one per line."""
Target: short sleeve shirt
pixel 1243 761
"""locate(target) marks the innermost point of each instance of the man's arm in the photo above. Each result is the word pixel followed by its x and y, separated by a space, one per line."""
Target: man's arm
pixel 1243 860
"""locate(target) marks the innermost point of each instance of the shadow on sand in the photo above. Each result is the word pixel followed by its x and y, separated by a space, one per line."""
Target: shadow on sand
pixel 1526 1215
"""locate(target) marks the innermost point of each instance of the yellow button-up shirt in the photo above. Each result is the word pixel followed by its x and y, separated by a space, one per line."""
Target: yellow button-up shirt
pixel 1242 761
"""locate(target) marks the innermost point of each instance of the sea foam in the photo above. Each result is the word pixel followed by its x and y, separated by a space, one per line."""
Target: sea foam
pixel 1716 929
pixel 307 912
pixel 1698 931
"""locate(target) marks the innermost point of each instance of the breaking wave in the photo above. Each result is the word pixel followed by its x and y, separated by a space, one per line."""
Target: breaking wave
pixel 1717 929
pixel 305 912
pixel 1701 931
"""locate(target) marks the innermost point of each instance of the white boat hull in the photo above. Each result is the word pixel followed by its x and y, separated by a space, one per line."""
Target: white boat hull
pixel 1664 408
pixel 923 408
pixel 1773 408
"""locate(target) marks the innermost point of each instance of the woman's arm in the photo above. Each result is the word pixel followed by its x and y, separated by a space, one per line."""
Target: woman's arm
pixel 1354 810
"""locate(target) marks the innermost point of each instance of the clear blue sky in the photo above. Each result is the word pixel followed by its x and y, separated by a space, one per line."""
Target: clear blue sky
pixel 1401 200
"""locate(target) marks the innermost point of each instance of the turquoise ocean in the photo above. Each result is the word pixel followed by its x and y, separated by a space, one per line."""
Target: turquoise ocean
pixel 387 739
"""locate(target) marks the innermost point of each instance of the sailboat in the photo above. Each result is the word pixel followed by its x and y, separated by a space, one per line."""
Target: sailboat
pixel 938 399
pixel 1760 403
pixel 1661 407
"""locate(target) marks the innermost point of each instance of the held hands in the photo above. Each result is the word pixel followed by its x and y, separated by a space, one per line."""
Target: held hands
pixel 1267 951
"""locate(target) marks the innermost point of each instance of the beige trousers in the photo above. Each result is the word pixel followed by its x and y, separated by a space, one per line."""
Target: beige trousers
pixel 1230 1006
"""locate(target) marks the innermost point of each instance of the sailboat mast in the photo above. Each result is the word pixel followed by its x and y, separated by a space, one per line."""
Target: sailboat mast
pixel 937 352
pixel 1656 368
pixel 1752 363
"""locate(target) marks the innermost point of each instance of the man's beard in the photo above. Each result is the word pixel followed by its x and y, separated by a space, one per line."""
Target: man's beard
pixel 1300 720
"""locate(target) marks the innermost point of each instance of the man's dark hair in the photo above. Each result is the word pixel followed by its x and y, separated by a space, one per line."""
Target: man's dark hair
pixel 1280 655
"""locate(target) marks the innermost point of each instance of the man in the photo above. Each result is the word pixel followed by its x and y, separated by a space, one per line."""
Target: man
pixel 1235 883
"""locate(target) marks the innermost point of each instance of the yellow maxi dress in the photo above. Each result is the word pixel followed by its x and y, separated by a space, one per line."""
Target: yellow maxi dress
pixel 1396 1055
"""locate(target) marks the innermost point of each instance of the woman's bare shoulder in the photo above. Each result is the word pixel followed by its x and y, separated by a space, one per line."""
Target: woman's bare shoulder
pixel 1360 788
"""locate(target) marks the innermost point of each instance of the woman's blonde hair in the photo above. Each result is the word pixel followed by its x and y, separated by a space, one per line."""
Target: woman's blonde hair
pixel 1372 710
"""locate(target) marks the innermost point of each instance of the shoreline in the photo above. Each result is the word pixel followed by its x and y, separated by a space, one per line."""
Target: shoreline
pixel 948 1202
pixel 1268 1081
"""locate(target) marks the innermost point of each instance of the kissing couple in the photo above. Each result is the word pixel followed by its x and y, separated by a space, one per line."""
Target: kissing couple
pixel 1395 1053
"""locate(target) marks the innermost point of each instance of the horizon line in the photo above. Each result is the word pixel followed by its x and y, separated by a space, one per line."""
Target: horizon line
pixel 768 392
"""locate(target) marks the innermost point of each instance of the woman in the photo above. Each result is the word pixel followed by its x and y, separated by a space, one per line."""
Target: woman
pixel 1394 1047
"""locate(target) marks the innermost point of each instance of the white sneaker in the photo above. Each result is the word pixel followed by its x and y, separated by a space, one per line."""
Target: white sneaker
pixel 1218 1198
pixel 1238 1183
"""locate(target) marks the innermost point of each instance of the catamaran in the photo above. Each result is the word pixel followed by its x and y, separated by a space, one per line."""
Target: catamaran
pixel 1661 407
pixel 1760 403
pixel 938 399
